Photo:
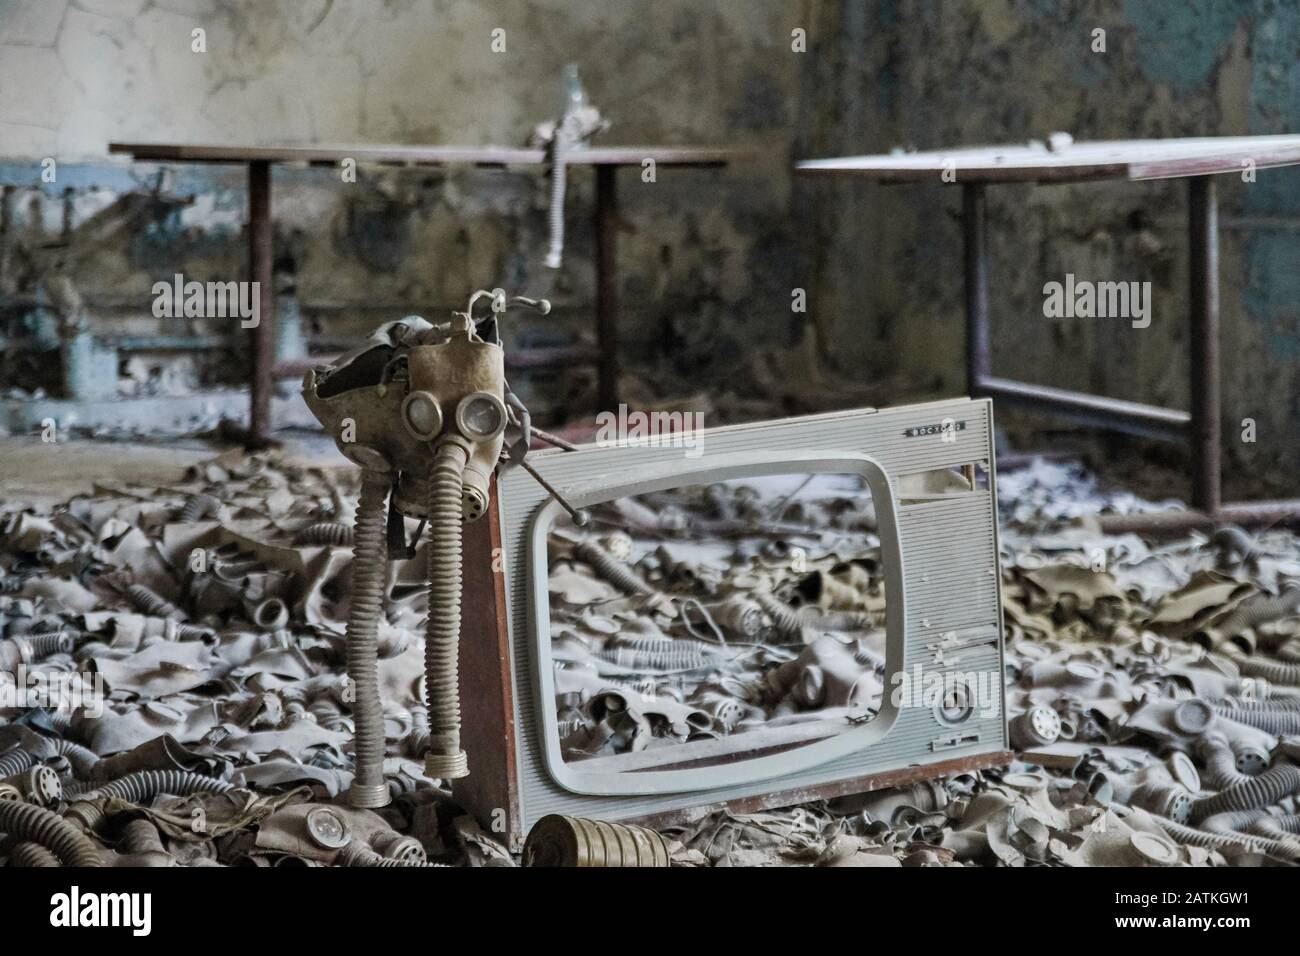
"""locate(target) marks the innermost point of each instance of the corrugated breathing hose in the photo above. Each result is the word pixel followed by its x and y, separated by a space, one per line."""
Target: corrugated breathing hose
pixel 444 759
pixel 32 855
pixel 149 601
pixel 323 533
pixel 25 821
pixel 16 761
pixel 610 568
pixel 146 784
pixel 1270 721
pixel 785 618
pixel 559 182
pixel 369 574
pixel 83 759
pixel 1274 671
pixel 1191 836
pixel 359 854
pixel 1257 792
pixel 1220 764
pixel 198 506
pixel 1261 609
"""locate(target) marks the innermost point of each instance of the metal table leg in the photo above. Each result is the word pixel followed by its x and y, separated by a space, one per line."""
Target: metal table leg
pixel 1204 431
pixel 975 246
pixel 1203 276
pixel 607 284
pixel 259 271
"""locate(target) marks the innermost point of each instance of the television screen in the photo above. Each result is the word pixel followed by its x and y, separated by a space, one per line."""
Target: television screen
pixel 784 605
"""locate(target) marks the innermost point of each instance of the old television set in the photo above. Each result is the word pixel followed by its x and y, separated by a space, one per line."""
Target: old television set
pixel 752 616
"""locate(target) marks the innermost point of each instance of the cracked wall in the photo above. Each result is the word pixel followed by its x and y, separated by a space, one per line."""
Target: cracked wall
pixel 929 75
pixel 707 256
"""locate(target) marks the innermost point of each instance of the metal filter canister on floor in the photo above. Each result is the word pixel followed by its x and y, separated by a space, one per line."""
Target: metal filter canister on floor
pixel 562 841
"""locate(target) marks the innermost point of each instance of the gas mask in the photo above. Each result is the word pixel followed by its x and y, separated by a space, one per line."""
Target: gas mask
pixel 423 410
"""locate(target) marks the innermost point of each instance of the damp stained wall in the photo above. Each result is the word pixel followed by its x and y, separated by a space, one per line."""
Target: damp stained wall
pixel 705 254
pixel 709 258
pixel 929 74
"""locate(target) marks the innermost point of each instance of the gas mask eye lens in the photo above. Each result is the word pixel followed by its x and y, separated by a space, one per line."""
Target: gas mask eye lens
pixel 481 416
pixel 421 415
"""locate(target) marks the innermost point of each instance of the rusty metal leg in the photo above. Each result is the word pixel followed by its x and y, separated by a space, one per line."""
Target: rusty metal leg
pixel 607 284
pixel 259 271
pixel 1209 510
pixel 1203 275
pixel 975 239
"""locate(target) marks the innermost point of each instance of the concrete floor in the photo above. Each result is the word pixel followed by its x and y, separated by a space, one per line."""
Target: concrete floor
pixel 39 472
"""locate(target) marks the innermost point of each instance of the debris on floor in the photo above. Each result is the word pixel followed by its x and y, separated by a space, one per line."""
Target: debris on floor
pixel 172 692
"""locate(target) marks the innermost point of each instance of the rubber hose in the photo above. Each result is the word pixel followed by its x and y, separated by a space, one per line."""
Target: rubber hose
pixel 150 602
pixel 1287 823
pixel 32 855
pixel 1231 821
pixel 1262 791
pixel 611 569
pixel 146 784
pixel 16 761
pixel 1220 765
pixel 83 759
pixel 25 821
pixel 141 836
pixel 43 645
pixel 325 532
pixel 786 619
pixel 198 506
pixel 559 182
pixel 369 575
pixel 1273 671
pixel 444 759
pixel 1272 704
pixel 1261 609
pixel 358 854
pixel 1191 836
pixel 1270 721
pixel 841 620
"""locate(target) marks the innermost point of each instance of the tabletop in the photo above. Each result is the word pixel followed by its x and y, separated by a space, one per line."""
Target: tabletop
pixel 424 155
pixel 1133 159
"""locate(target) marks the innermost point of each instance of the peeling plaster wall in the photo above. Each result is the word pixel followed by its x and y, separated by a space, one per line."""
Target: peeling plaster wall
pixel 707 256
pixel 931 74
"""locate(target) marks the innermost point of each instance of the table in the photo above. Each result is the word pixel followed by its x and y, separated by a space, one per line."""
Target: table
pixel 1197 160
pixel 606 161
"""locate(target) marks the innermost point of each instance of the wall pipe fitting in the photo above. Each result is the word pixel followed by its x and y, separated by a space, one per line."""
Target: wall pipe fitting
pixel 25 821
pixel 1257 792
pixel 444 759
pixel 369 574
